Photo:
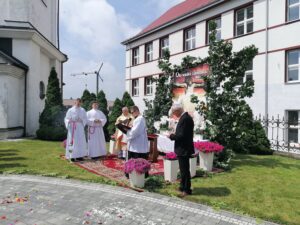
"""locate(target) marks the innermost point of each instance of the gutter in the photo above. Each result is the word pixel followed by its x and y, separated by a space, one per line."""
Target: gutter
pixel 184 16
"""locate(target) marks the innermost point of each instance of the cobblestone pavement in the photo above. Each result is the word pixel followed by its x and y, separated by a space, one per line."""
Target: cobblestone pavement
pixel 40 200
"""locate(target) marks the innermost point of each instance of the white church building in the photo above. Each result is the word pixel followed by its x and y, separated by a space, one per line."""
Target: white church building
pixel 29 48
pixel 273 26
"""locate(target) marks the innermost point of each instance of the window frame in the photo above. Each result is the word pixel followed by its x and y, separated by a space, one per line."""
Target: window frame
pixel 247 73
pixel 135 91
pixel 147 53
pixel 163 48
pixel 135 58
pixel 288 10
pixel 146 85
pixel 291 126
pixel 287 66
pixel 191 39
pixel 244 22
pixel 218 29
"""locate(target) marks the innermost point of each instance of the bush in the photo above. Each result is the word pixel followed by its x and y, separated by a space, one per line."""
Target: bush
pixel 52 133
pixel 153 183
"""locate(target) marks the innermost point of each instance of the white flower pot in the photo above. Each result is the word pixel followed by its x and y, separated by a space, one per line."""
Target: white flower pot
pixel 170 170
pixel 136 179
pixel 193 166
pixel 206 161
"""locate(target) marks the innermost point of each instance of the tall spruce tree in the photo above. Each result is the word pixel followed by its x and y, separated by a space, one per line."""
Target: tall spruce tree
pixel 52 118
pixel 86 99
pixel 116 111
pixel 102 101
pixel 127 100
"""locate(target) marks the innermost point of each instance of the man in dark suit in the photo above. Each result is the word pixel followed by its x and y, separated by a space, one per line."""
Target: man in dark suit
pixel 184 146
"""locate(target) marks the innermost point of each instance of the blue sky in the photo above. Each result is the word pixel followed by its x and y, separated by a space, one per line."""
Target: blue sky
pixel 91 32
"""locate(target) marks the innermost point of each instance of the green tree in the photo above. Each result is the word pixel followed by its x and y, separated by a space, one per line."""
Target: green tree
pixel 116 111
pixel 52 118
pixel 86 99
pixel 127 100
pixel 162 101
pixel 102 101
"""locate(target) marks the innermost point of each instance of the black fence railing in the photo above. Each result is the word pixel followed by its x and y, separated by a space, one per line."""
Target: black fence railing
pixel 283 133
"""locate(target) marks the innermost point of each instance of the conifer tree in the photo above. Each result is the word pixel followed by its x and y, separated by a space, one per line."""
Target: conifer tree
pixel 116 111
pixel 102 101
pixel 127 100
pixel 86 99
pixel 52 118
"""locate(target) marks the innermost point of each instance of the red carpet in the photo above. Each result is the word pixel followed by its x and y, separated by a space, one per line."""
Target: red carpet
pixel 112 167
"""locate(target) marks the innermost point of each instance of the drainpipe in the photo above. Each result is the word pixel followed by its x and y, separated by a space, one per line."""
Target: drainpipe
pixel 267 64
pixel 25 103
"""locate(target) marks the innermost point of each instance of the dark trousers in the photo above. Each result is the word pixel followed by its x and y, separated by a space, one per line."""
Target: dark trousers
pixel 184 167
pixel 136 155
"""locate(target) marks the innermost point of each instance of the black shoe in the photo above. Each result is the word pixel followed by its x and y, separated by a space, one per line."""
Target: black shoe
pixel 72 160
pixel 79 159
pixel 95 158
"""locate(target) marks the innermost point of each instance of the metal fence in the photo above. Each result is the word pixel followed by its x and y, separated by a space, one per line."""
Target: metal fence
pixel 283 133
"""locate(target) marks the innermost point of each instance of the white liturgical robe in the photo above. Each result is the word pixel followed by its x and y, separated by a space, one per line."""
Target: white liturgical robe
pixel 75 122
pixel 137 136
pixel 96 138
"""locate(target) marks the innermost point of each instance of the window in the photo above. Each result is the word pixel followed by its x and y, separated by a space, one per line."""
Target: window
pixel 189 38
pixel 135 56
pixel 218 29
pixel 135 87
pixel 293 126
pixel 248 74
pixel 164 46
pixel 148 86
pixel 42 90
pixel 244 21
pixel 293 66
pixel 293 10
pixel 149 52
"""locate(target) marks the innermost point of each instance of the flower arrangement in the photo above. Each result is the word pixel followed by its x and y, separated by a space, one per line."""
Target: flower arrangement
pixel 171 156
pixel 208 147
pixel 162 124
pixel 139 165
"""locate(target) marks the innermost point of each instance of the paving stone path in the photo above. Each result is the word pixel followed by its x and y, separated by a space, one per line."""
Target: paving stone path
pixel 41 200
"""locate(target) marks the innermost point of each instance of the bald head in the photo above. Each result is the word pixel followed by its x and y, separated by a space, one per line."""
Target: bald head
pixel 125 111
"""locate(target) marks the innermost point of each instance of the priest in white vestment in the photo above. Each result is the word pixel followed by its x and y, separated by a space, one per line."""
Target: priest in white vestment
pixel 75 122
pixel 121 139
pixel 96 138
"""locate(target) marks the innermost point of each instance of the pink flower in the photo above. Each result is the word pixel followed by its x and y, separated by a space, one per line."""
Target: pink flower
pixel 171 156
pixel 208 147
pixel 139 165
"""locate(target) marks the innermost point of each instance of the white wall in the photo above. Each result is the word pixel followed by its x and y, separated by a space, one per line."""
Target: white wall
pixel 281 96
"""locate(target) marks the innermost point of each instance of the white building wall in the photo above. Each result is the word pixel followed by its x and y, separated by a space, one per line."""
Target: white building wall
pixel 281 96
pixel 42 17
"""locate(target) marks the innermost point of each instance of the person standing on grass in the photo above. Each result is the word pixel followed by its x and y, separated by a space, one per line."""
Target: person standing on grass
pixel 75 122
pixel 184 146
pixel 137 137
pixel 96 139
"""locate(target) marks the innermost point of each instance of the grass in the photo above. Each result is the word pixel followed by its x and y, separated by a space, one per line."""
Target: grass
pixel 265 187
pixel 36 157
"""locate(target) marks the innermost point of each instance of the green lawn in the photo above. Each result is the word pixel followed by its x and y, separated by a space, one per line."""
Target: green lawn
pixel 266 187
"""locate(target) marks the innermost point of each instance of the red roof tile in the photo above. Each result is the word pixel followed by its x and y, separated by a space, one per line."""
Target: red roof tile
pixel 177 11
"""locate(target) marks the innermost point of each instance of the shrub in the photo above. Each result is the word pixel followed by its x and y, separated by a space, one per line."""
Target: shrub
pixel 51 133
pixel 154 182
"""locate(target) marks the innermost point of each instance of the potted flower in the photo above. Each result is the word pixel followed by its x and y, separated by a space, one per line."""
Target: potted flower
pixel 171 167
pixel 136 168
pixel 193 164
pixel 206 153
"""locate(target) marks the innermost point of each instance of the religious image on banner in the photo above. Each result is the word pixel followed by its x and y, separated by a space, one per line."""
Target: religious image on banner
pixel 189 84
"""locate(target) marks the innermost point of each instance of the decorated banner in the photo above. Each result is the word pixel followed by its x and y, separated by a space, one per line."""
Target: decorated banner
pixel 190 83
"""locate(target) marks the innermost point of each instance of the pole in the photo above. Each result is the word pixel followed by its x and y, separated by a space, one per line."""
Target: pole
pixel 97 82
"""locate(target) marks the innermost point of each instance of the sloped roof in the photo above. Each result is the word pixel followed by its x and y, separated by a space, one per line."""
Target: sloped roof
pixel 176 12
pixel 14 61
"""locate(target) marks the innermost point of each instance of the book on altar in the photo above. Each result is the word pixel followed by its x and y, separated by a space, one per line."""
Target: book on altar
pixel 122 127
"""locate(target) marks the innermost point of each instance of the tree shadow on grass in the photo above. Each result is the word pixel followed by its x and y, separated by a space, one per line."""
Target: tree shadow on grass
pixel 255 161
pixel 12 159
pixel 7 154
pixel 213 191
pixel 11 165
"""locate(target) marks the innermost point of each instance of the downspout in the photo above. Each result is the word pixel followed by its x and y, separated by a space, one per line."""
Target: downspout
pixel 25 104
pixel 267 65
pixel 58 46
